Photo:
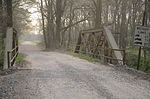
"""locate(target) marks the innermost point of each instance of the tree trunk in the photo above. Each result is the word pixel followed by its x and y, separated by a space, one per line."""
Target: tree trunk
pixel 98 19
pixel 9 13
pixel 58 21
pixel 123 29
pixel 43 24
pixel 1 31
pixel 1 18
pixel 145 22
pixel 149 9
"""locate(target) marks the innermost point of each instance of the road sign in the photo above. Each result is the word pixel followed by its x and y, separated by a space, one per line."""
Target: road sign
pixel 142 36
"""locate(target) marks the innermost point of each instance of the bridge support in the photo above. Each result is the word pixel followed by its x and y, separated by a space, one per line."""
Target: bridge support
pixel 8 45
pixel 100 43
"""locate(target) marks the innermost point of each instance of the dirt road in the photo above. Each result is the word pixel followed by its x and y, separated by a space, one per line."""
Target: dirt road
pixel 53 75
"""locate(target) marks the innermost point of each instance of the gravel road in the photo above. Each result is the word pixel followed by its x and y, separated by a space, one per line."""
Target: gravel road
pixel 53 75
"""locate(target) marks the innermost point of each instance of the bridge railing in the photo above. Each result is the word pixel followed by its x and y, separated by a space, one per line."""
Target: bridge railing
pixel 93 42
pixel 12 54
pixel 108 58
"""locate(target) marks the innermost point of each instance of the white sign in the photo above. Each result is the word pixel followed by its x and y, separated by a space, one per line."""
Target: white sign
pixel 142 36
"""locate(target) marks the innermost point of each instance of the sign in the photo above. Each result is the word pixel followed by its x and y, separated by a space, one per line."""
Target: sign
pixel 142 36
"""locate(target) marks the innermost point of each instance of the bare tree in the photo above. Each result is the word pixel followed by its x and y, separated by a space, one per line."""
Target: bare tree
pixel 1 26
pixel 98 13
pixel 43 23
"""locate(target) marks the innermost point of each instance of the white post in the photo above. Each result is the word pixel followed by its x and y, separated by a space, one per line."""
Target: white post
pixel 113 44
pixel 8 45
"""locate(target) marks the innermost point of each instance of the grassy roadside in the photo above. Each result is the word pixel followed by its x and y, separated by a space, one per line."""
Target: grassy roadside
pixel 86 57
pixel 20 58
pixel 132 58
pixel 1 68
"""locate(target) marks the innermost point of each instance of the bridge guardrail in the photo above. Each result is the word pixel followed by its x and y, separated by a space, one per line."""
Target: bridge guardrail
pixel 12 54
pixel 109 58
pixel 94 43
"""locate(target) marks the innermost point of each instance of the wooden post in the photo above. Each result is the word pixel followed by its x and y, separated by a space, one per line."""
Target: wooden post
pixel 124 57
pixel 106 51
pixel 111 55
pixel 78 43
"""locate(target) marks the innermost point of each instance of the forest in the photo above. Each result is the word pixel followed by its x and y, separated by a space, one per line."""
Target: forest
pixel 60 22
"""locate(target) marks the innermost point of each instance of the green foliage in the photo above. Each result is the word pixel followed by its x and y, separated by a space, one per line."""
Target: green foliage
pixel 132 60
pixel 83 56
pixel 71 47
pixel 21 15
pixel 1 68
pixel 147 69
pixel 20 58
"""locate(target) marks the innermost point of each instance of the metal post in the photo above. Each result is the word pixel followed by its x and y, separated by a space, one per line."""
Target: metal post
pixel 139 58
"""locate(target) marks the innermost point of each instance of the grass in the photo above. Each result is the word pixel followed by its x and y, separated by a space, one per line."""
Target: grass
pixel 83 56
pixel 1 68
pixel 20 58
pixel 132 58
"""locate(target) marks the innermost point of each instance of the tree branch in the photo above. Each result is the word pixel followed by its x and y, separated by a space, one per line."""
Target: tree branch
pixel 71 25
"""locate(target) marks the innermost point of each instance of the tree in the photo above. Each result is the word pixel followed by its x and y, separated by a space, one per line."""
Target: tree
pixel 1 32
pixel 21 15
pixel 43 23
pixel 58 19
pixel 149 9
pixel 9 13
pixel 123 28
pixel 98 13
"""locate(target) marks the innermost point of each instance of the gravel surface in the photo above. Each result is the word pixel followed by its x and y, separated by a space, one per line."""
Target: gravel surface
pixel 53 75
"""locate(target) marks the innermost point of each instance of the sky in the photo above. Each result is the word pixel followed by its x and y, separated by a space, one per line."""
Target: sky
pixel 34 16
pixel 34 19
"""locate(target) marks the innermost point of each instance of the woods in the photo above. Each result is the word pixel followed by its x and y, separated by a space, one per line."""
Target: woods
pixel 57 21
pixel 121 15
